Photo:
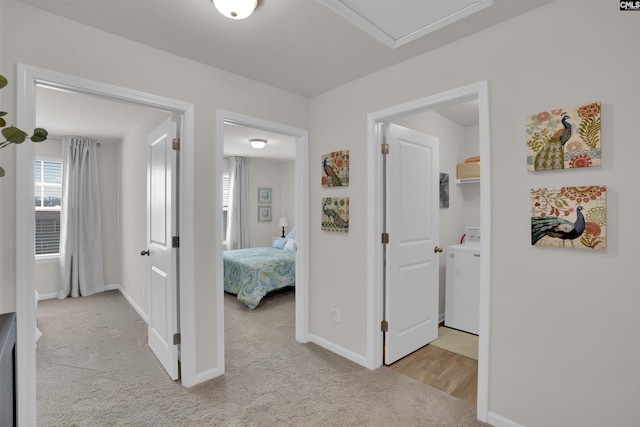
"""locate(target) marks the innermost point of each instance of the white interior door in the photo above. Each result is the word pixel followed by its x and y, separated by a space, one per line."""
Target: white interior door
pixel 412 207
pixel 161 227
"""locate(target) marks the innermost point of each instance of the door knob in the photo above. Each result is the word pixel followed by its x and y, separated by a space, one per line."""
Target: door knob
pixel 143 253
pixel 437 249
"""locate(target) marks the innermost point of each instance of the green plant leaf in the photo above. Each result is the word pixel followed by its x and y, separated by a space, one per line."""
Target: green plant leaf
pixel 3 113
pixel 3 81
pixel 1 172
pixel 2 123
pixel 39 135
pixel 14 135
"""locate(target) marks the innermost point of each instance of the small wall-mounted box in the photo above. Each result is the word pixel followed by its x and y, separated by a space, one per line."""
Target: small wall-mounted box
pixel 468 170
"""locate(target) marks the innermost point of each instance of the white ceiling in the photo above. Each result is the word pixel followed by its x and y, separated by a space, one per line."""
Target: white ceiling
pixel 302 46
pixel 64 113
pixel 236 143
pixel 396 23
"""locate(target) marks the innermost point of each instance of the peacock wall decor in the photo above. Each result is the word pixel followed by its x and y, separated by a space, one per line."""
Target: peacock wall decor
pixel 569 217
pixel 335 169
pixel 335 214
pixel 564 138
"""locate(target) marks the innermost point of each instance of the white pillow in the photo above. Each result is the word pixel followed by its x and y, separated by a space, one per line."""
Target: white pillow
pixel 290 245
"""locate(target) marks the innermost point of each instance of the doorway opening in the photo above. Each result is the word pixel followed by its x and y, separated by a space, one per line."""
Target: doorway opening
pixel 479 92
pixel 449 362
pixel 29 79
pixel 301 212
pixel 256 209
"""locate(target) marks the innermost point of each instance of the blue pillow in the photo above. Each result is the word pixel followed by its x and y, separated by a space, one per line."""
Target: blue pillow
pixel 279 243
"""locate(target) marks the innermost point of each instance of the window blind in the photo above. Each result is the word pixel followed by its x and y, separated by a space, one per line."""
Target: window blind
pixel 225 205
pixel 48 197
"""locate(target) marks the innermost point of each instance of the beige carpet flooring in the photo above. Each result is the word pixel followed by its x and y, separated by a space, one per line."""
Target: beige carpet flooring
pixel 94 369
pixel 457 342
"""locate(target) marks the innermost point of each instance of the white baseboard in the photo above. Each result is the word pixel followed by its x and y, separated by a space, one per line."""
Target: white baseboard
pixel 112 287
pixel 500 421
pixel 347 354
pixel 50 295
pixel 131 302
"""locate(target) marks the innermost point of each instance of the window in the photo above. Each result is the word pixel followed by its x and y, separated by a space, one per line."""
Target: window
pixel 225 205
pixel 48 196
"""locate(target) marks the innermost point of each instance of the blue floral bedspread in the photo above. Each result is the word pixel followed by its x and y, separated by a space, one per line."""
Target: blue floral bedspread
pixel 252 273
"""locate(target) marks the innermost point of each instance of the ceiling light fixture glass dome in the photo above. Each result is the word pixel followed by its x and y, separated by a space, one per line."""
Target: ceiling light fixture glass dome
pixel 236 9
pixel 258 143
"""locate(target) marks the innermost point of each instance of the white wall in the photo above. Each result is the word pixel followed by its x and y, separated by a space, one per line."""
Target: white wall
pixel 134 269
pixel 277 175
pixel 7 185
pixel 560 319
pixel 288 189
pixel 65 46
pixel 47 271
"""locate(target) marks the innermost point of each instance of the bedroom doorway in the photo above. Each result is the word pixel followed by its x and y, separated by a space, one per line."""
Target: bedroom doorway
pixel 29 79
pixel 229 123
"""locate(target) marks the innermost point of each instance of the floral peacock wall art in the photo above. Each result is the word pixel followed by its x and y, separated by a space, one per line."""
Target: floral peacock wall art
pixel 569 217
pixel 335 169
pixel 564 138
pixel 335 214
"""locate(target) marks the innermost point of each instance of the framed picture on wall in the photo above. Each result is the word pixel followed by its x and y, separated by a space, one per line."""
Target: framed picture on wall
pixel 564 138
pixel 264 213
pixel 444 190
pixel 264 196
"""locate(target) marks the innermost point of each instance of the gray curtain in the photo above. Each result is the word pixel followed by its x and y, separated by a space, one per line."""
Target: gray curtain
pixel 237 225
pixel 80 232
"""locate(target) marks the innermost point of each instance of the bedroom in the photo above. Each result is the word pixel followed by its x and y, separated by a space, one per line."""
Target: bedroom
pixel 264 216
pixel 122 162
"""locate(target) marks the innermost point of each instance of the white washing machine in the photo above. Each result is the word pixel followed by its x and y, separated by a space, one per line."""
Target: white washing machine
pixel 462 289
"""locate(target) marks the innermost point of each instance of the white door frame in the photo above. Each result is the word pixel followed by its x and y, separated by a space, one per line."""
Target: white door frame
pixel 302 221
pixel 479 91
pixel 28 78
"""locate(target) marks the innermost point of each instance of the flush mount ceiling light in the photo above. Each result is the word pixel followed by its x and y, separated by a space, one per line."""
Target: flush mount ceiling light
pixel 258 143
pixel 236 9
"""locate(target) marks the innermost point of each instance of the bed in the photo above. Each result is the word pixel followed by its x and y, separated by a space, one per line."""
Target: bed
pixel 252 273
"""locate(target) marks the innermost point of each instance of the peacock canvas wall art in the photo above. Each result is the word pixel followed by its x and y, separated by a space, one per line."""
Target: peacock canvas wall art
pixel 564 138
pixel 335 169
pixel 335 214
pixel 444 190
pixel 569 217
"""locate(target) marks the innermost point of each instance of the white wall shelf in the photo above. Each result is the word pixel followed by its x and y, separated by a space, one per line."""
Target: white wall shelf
pixel 467 180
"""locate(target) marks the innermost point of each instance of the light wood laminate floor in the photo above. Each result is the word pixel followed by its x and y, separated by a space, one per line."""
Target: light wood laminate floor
pixel 454 374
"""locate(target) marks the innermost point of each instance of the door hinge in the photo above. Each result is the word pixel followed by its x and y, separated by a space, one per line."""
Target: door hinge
pixel 385 238
pixel 176 338
pixel 385 148
pixel 175 242
pixel 384 326
pixel 176 144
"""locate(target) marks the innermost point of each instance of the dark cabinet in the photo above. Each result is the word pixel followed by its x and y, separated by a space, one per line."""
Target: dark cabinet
pixel 8 369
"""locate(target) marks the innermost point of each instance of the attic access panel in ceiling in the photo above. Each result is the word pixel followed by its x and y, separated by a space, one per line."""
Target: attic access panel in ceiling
pixel 398 22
